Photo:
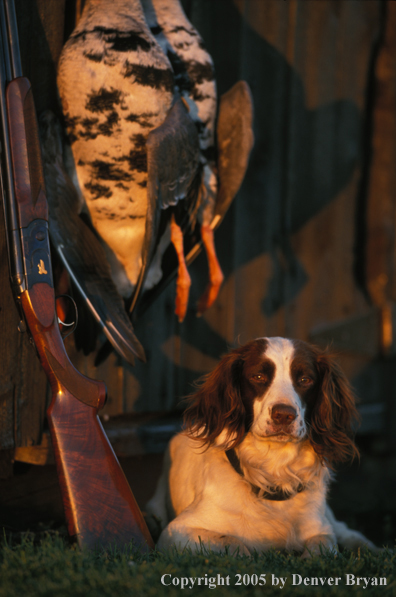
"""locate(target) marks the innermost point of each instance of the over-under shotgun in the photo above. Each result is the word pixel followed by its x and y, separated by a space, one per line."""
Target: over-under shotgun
pixel 99 505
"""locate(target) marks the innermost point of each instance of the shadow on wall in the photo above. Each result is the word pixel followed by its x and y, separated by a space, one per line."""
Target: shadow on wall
pixel 302 159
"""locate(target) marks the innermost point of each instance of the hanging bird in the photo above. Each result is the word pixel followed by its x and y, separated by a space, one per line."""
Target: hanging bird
pixel 140 112
pixel 195 81
pixel 78 247
pixel 115 86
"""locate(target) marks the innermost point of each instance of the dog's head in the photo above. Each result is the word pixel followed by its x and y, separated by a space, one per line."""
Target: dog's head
pixel 279 390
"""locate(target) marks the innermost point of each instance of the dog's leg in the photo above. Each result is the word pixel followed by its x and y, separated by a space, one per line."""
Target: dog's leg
pixel 346 537
pixel 194 538
pixel 315 545
pixel 156 511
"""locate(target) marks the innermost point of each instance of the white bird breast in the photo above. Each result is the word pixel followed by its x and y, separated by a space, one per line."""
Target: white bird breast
pixel 116 85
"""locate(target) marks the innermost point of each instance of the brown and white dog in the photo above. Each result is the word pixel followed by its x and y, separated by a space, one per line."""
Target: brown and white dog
pixel 252 469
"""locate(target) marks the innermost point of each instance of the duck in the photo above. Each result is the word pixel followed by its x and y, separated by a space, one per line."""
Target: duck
pixel 80 251
pixel 195 82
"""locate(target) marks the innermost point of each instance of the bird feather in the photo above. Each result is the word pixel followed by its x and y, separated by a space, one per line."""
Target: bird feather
pixel 80 250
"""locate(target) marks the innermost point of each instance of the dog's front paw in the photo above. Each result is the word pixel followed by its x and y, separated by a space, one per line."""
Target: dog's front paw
pixel 315 546
pixel 225 543
pixel 199 539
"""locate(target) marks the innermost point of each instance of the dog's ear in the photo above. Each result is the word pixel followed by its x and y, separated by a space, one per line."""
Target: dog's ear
pixel 216 409
pixel 333 414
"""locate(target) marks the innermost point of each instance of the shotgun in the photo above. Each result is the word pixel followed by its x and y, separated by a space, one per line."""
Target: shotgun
pixel 100 508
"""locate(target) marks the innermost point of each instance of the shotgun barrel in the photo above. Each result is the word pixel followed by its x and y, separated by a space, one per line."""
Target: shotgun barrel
pixel 100 508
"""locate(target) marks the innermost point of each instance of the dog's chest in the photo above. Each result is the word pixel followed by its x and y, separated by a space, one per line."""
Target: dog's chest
pixel 233 502
pixel 261 523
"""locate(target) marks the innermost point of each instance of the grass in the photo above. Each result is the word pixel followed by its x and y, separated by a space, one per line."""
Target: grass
pixel 50 566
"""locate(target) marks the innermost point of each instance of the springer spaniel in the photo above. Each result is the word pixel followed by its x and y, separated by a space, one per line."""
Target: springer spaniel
pixel 251 470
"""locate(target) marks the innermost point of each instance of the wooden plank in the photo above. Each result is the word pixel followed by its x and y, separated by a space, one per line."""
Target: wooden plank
pixel 31 500
pixel 8 349
pixel 129 435
pixel 303 179
pixel 6 415
pixel 23 385
pixel 41 454
pixel 40 51
pixel 381 205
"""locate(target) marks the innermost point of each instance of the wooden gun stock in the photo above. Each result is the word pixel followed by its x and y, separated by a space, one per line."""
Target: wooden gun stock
pixel 99 505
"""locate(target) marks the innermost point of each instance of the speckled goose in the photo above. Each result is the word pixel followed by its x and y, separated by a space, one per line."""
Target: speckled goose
pixel 116 85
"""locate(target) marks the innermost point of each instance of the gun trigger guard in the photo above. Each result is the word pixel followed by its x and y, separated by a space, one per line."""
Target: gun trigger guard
pixel 73 325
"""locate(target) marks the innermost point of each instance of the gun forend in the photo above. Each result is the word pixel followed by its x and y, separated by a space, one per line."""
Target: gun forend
pixel 38 304
pixel 29 184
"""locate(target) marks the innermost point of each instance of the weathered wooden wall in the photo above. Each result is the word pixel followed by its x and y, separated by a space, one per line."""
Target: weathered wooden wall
pixel 293 245
pixel 22 382
pixel 288 244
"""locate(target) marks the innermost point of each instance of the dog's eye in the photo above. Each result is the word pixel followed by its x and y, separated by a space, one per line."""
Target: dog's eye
pixel 260 377
pixel 305 381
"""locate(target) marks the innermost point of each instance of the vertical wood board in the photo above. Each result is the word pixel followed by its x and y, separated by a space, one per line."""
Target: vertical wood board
pixel 381 192
pixel 23 385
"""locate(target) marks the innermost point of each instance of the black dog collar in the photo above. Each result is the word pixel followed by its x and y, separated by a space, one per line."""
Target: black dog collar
pixel 278 495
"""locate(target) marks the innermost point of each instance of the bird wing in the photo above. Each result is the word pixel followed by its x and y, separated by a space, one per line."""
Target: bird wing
pixel 172 157
pixel 173 162
pixel 235 140
pixel 80 250
pixel 234 144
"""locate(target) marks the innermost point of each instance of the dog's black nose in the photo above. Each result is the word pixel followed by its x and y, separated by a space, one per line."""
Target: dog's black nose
pixel 283 414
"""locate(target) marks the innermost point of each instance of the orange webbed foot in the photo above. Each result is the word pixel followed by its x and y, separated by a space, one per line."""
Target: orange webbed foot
pixel 183 281
pixel 216 276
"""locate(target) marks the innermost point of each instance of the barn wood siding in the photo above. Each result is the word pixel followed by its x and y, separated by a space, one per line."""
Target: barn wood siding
pixel 23 385
pixel 291 244
pixel 288 243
